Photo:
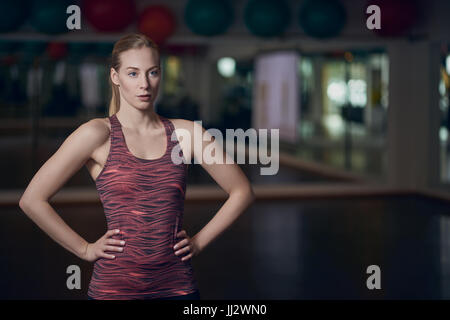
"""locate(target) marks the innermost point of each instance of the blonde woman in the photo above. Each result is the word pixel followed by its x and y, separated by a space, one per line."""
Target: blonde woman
pixel 144 254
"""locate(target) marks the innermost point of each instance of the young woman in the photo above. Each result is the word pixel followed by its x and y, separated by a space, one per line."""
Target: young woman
pixel 144 254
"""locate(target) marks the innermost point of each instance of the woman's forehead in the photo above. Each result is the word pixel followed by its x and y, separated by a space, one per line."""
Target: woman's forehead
pixel 140 58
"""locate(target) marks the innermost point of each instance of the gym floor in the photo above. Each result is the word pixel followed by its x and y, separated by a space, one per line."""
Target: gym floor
pixel 317 248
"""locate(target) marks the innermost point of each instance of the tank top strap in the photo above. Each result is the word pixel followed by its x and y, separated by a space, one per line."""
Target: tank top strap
pixel 169 130
pixel 118 146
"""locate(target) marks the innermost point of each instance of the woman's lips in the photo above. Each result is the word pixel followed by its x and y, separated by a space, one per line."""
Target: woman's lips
pixel 144 97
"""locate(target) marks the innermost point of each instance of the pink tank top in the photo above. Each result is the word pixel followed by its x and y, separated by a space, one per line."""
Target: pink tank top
pixel 145 200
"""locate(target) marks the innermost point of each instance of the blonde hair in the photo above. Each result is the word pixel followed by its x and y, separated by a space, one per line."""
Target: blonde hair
pixel 127 42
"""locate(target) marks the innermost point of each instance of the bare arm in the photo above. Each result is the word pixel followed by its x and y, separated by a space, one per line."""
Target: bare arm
pixel 230 178
pixel 68 159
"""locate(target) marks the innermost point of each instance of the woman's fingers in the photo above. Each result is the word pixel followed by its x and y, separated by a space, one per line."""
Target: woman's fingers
pixel 114 241
pixel 181 233
pixel 187 257
pixel 183 250
pixel 110 233
pixel 113 248
pixel 105 243
pixel 107 256
pixel 181 244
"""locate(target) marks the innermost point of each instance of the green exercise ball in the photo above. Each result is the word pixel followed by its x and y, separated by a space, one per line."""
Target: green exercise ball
pixel 49 16
pixel 267 18
pixel 208 17
pixel 322 18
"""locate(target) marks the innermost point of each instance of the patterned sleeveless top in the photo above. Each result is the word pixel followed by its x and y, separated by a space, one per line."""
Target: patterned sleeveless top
pixel 144 199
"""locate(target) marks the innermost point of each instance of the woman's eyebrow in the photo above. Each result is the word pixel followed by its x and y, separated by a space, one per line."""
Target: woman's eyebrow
pixel 136 68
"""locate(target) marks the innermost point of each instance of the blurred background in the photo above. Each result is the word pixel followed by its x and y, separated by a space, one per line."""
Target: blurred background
pixel 364 175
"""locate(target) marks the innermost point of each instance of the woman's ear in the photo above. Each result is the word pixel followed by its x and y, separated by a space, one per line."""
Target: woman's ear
pixel 114 76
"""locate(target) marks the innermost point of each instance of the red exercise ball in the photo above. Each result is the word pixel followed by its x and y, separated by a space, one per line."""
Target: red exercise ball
pixel 157 22
pixel 109 15
pixel 8 60
pixel 57 50
pixel 397 16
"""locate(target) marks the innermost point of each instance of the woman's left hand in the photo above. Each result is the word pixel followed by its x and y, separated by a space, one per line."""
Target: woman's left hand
pixel 186 245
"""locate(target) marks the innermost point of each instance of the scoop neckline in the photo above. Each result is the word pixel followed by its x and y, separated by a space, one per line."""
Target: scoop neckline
pixel 142 159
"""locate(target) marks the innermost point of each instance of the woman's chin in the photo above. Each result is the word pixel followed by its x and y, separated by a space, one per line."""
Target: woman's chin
pixel 144 103
pixel 143 106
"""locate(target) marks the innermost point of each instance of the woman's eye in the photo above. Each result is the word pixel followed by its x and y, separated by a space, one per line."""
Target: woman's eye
pixel 132 73
pixel 154 73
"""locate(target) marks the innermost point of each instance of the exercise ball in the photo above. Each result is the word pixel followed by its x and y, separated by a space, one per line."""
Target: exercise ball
pixel 109 15
pixel 208 17
pixel 57 50
pixel 49 16
pixel 157 22
pixel 397 16
pixel 322 18
pixel 14 14
pixel 267 18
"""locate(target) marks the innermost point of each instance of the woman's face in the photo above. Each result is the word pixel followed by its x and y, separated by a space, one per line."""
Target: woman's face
pixel 139 75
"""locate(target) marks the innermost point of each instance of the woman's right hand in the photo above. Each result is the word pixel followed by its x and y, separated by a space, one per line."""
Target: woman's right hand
pixel 97 249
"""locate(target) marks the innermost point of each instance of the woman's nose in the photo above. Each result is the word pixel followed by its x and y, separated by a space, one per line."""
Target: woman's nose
pixel 144 82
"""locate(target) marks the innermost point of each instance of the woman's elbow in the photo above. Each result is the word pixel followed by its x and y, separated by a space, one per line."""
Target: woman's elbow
pixel 24 205
pixel 26 202
pixel 23 202
pixel 247 193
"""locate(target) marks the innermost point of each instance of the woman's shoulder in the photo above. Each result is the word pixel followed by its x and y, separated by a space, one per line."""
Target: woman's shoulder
pixel 98 123
pixel 182 123
pixel 186 124
pixel 97 129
